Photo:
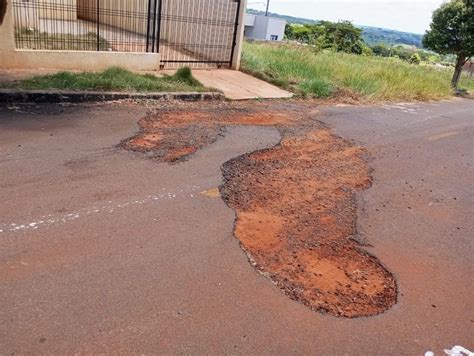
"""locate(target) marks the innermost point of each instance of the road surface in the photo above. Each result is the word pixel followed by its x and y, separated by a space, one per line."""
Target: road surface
pixel 105 251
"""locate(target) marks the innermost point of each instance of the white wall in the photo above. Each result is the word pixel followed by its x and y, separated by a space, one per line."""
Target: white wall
pixel 264 27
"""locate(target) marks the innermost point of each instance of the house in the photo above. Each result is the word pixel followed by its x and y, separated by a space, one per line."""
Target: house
pixel 136 34
pixel 265 28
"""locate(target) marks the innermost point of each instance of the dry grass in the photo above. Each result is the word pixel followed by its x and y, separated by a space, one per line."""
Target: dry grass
pixel 328 74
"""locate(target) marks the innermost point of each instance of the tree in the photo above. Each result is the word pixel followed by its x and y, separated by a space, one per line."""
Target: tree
pixel 342 36
pixel 452 32
pixel 381 50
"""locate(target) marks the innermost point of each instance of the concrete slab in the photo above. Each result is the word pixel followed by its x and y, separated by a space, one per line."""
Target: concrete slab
pixel 239 86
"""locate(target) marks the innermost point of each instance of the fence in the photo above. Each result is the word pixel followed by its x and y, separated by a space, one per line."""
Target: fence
pixel 191 32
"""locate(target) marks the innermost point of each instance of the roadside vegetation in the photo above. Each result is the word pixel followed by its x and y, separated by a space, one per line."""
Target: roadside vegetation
pixel 112 79
pixel 326 73
pixel 324 59
pixel 345 37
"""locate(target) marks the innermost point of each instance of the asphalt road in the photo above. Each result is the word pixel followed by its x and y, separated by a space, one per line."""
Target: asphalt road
pixel 106 251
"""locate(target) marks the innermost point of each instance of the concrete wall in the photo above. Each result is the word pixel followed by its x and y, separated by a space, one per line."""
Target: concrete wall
pixel 263 27
pixel 29 13
pixel 58 9
pixel 113 13
pixel 11 58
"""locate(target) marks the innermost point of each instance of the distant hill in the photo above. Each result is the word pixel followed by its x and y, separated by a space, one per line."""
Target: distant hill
pixel 371 35
pixel 375 35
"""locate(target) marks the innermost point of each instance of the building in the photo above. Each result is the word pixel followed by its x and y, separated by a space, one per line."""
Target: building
pixel 135 34
pixel 265 28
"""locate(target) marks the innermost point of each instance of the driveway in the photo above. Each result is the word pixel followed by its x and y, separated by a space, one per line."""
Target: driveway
pixel 103 250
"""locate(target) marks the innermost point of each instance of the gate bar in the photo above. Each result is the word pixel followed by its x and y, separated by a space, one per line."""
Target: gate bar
pixel 158 34
pixel 148 27
pixel 98 26
pixel 153 37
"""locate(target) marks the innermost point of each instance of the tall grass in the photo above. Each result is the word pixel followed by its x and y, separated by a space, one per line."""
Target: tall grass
pixel 327 74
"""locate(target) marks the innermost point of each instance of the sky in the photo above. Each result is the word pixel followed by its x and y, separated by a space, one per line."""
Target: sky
pixel 403 15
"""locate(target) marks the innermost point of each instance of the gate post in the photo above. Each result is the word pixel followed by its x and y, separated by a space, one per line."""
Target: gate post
pixel 239 38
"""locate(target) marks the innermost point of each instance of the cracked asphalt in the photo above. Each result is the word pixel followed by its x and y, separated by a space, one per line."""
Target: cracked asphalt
pixel 105 251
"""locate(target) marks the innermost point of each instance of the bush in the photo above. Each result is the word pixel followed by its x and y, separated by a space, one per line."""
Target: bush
pixel 415 58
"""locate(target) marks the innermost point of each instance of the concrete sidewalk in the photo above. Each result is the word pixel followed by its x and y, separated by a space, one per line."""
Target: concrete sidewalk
pixel 235 85
pixel 239 86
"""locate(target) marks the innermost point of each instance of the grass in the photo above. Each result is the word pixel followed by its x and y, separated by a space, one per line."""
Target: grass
pixel 329 74
pixel 26 38
pixel 112 79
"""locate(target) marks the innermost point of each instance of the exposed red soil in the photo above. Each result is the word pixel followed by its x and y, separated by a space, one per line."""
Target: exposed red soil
pixel 295 204
pixel 296 214
pixel 172 136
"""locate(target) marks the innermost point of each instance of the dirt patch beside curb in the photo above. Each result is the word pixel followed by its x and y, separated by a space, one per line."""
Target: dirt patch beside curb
pixel 295 203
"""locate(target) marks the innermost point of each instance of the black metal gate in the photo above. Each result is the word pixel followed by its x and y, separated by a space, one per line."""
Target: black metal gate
pixel 193 32
pixel 184 32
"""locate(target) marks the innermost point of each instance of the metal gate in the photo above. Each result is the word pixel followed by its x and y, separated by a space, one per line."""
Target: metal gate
pixel 193 32
pixel 185 32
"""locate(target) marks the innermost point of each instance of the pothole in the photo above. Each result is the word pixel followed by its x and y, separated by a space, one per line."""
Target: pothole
pixel 295 203
pixel 296 208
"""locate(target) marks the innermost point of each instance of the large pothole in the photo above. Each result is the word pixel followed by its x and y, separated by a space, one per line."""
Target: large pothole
pixel 296 214
pixel 295 203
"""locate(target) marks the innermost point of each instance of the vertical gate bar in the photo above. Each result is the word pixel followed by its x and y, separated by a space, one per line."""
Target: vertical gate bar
pixel 153 36
pixel 158 31
pixel 98 26
pixel 148 27
pixel 236 28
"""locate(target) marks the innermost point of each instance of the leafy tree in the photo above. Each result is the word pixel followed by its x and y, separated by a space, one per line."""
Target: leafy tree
pixel 302 33
pixel 342 36
pixel 452 32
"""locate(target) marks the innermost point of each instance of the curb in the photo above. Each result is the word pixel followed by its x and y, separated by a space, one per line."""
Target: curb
pixel 59 96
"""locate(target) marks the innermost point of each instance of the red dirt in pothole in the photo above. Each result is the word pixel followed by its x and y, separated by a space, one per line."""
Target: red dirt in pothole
pixel 172 136
pixel 295 204
pixel 296 219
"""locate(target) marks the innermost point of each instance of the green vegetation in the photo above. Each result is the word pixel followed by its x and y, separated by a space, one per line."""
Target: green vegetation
pixel 329 74
pixel 452 32
pixel 408 53
pixel 114 78
pixel 371 35
pixel 340 37
pixel 26 38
